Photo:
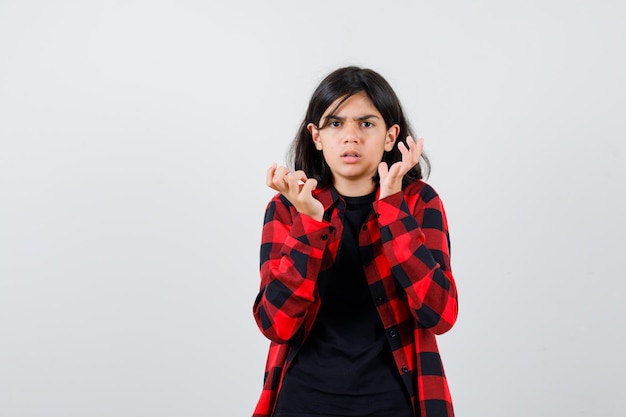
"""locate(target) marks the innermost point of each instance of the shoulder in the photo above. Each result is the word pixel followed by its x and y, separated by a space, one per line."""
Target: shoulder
pixel 420 190
pixel 279 199
pixel 426 205
pixel 278 208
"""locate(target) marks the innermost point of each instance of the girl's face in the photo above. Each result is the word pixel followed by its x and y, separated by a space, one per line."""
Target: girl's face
pixel 353 140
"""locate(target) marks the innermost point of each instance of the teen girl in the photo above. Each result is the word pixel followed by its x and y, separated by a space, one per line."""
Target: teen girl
pixel 355 264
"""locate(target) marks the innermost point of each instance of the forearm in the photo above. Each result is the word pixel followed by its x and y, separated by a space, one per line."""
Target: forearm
pixel 419 259
pixel 291 258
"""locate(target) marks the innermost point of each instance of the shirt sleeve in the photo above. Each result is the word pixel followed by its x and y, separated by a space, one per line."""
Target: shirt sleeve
pixel 416 243
pixel 292 249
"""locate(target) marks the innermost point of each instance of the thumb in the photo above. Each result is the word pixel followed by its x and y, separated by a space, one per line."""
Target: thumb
pixel 309 186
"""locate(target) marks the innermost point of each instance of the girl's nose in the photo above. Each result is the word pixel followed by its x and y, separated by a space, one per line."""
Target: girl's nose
pixel 351 133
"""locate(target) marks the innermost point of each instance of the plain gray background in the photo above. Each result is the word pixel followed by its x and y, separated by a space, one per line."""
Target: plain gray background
pixel 134 140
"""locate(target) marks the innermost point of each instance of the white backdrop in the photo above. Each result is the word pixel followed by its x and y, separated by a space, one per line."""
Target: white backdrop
pixel 134 139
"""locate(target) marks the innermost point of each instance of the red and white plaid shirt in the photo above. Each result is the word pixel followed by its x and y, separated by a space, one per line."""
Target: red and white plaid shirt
pixel 405 249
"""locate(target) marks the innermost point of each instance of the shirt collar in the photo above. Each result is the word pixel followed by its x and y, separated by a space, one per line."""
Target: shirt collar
pixel 329 196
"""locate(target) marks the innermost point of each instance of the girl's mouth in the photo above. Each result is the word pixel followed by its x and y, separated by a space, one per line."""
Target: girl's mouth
pixel 350 156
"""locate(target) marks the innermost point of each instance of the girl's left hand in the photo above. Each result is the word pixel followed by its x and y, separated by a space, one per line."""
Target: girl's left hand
pixel 391 178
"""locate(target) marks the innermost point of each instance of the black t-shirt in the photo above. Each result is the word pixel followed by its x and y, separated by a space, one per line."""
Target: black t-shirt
pixel 345 367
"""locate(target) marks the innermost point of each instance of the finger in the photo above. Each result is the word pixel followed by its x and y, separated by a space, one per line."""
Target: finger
pixel 308 187
pixel 406 153
pixel 415 150
pixel 404 150
pixel 420 146
pixel 383 170
pixel 269 176
pixel 419 143
pixel 295 179
pixel 413 156
pixel 418 149
pixel 414 143
pixel 278 180
pixel 280 174
pixel 300 175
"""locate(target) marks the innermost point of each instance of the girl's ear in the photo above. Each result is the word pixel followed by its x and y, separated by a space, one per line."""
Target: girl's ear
pixel 315 133
pixel 392 135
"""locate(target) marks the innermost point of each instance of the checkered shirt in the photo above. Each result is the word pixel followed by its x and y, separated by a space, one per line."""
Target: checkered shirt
pixel 405 250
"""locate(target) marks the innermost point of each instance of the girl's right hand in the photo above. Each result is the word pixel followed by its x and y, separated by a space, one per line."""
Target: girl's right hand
pixel 296 188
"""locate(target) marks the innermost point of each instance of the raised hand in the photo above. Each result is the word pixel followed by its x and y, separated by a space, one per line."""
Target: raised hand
pixel 391 178
pixel 296 188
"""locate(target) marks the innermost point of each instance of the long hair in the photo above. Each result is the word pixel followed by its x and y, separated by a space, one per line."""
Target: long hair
pixel 342 84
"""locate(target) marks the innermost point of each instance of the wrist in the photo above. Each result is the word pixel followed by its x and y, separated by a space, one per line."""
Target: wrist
pixel 314 213
pixel 386 192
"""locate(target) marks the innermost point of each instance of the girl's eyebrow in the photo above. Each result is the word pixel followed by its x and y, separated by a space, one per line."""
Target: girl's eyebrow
pixel 367 116
pixel 341 118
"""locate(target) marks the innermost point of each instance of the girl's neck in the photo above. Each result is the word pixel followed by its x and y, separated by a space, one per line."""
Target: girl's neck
pixel 350 189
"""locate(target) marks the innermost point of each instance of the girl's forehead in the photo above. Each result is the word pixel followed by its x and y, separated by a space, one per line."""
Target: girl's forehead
pixel 356 103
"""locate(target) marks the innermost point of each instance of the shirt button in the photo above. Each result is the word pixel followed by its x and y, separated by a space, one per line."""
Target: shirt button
pixel 364 228
pixel 324 237
pixel 405 369
pixel 379 299
pixel 392 333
